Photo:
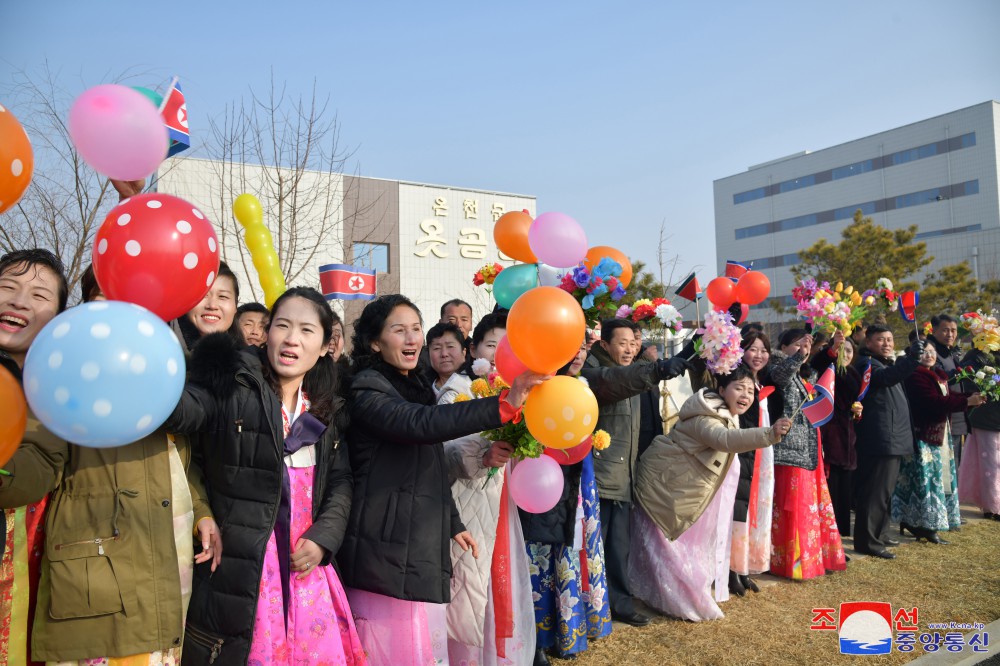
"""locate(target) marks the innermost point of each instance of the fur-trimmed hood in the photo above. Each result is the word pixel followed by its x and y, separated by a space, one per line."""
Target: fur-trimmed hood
pixel 216 360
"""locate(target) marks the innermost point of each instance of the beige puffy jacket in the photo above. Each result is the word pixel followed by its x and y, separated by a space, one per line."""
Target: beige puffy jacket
pixel 680 473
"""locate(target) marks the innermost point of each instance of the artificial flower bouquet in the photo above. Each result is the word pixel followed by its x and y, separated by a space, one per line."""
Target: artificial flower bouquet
pixel 830 309
pixel 719 344
pixel 487 275
pixel 657 311
pixel 987 380
pixel 983 328
pixel 597 289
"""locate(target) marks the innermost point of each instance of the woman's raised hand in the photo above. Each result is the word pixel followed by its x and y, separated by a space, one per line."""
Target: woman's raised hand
pixel 520 387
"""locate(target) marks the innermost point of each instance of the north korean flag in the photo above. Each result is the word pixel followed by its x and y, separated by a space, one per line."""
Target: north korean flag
pixel 175 117
pixel 908 304
pixel 348 283
pixel 819 410
pixel 689 289
pixel 866 380
pixel 735 270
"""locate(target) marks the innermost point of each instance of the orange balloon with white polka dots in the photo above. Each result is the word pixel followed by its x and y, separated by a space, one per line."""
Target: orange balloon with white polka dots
pixel 561 412
pixel 17 162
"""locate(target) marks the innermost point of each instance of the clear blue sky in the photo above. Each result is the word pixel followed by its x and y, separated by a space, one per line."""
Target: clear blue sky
pixel 619 114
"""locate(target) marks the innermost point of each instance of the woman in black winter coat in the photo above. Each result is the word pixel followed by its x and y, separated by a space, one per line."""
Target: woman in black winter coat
pixel 279 484
pixel 396 555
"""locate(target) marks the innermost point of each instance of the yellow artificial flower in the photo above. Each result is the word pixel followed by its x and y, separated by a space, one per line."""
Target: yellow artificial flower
pixel 840 286
pixel 499 384
pixel 461 397
pixel 870 300
pixel 601 440
pixel 480 388
pixel 829 308
pixel 855 298
pixel 836 297
pixel 641 301
pixel 849 291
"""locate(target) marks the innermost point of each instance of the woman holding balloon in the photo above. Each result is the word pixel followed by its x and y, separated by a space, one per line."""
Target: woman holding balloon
pixel 116 576
pixel 280 484
pixel 491 613
pixel 395 557
pixel 215 313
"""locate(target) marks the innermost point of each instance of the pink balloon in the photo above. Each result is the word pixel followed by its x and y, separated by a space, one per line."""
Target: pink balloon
pixel 118 132
pixel 557 240
pixel 508 364
pixel 536 484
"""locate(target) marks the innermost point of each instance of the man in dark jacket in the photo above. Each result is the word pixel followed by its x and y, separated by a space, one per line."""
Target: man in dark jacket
pixel 884 436
pixel 944 337
pixel 614 468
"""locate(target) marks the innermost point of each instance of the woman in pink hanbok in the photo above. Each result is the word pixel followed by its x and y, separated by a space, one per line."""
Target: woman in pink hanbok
pixel 280 488
pixel 685 486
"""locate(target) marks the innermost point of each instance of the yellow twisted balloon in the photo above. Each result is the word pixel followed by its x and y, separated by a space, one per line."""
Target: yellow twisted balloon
pixel 257 238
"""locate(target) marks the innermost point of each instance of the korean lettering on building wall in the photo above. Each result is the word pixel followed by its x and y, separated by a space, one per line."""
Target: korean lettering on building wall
pixel 471 241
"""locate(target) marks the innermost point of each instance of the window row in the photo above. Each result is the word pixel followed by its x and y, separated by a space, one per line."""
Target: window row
pixel 864 166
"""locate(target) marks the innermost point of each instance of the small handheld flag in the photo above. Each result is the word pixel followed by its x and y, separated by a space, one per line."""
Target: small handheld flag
pixel 908 305
pixel 689 289
pixel 866 380
pixel 735 270
pixel 819 410
pixel 174 112
pixel 347 283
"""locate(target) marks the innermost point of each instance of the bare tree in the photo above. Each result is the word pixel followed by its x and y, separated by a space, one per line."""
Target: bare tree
pixel 67 200
pixel 285 150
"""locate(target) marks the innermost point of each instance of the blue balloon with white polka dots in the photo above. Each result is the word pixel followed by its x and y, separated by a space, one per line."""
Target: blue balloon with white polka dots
pixel 104 374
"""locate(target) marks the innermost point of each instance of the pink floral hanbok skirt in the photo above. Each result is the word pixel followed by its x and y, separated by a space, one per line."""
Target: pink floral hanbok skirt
pixel 320 630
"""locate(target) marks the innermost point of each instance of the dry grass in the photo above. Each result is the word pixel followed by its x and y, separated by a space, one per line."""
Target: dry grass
pixel 959 582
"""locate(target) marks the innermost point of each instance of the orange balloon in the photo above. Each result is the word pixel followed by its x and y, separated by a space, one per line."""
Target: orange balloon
pixel 546 328
pixel 721 292
pixel 598 252
pixel 17 162
pixel 15 415
pixel 753 288
pixel 561 412
pixel 511 236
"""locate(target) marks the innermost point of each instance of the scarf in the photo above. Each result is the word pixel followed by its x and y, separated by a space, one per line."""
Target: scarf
pixel 303 431
pixel 503 606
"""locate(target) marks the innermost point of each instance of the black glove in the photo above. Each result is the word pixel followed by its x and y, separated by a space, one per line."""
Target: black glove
pixel 915 350
pixel 736 311
pixel 668 368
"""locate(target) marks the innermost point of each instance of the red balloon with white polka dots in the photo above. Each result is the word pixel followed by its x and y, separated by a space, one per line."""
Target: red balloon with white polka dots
pixel 158 251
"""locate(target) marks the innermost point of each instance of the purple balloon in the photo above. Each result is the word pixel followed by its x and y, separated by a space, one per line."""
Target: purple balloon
pixel 118 132
pixel 536 484
pixel 557 240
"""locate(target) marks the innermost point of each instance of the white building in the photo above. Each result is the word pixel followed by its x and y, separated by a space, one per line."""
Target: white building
pixel 939 174
pixel 425 241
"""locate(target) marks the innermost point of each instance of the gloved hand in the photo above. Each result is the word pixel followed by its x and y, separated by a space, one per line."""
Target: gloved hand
pixel 736 311
pixel 915 350
pixel 668 368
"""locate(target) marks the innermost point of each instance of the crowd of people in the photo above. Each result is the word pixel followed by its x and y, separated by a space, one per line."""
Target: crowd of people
pixel 307 503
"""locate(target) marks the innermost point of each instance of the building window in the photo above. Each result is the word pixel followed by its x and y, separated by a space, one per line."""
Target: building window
pixel 743 197
pixel 892 159
pixel 372 255
pixel 932 195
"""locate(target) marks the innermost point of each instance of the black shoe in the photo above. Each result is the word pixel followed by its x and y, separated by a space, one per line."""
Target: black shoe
pixel 879 552
pixel 996 516
pixel 904 528
pixel 987 515
pixel 933 537
pixel 749 584
pixel 890 542
pixel 635 619
pixel 736 585
pixel 847 558
pixel 541 659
